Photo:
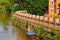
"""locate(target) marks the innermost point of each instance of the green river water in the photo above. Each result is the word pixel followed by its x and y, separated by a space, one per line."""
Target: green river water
pixel 8 31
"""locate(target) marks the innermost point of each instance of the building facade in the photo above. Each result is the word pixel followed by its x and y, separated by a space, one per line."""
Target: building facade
pixel 54 6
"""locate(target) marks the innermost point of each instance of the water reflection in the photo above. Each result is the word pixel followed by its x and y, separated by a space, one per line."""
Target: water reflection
pixel 9 32
pixel 21 35
pixel 12 33
pixel 5 28
pixel 4 18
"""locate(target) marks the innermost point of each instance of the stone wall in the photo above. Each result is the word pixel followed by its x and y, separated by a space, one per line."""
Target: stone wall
pixel 40 20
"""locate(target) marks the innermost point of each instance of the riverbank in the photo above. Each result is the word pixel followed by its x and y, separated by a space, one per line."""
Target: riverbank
pixel 40 30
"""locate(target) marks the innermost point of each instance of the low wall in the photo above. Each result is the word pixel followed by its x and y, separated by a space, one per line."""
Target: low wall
pixel 46 21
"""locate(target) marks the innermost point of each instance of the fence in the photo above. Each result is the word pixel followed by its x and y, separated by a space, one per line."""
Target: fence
pixel 46 21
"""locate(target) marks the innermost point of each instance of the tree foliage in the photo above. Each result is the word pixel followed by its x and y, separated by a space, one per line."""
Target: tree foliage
pixel 6 4
pixel 38 7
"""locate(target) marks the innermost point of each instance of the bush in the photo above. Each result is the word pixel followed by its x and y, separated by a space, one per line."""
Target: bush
pixel 39 31
pixel 54 15
pixel 35 29
pixel 53 32
pixel 26 24
pixel 44 35
pixel 52 35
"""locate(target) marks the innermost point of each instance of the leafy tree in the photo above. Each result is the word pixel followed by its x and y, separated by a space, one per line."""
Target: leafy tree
pixel 38 7
pixel 6 5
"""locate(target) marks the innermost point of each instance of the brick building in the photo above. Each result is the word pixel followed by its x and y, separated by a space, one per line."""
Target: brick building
pixel 53 7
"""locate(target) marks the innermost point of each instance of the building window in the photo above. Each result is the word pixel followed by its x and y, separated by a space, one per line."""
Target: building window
pixel 52 9
pixel 52 2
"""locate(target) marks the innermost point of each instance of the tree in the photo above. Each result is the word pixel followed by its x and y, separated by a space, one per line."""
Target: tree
pixel 37 7
pixel 6 5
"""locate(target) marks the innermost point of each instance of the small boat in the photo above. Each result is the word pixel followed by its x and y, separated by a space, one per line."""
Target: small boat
pixel 31 34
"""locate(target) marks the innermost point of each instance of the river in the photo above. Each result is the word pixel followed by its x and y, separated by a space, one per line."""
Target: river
pixel 9 32
pixel 12 33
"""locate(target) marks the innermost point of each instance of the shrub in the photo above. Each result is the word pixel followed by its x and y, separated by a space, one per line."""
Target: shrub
pixel 35 29
pixel 53 32
pixel 54 15
pixel 41 32
pixel 52 35
pixel 26 24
